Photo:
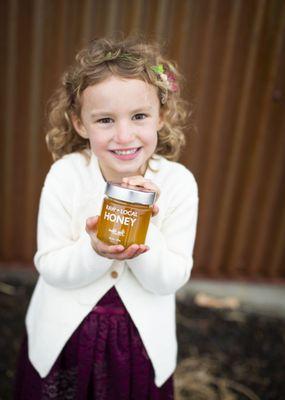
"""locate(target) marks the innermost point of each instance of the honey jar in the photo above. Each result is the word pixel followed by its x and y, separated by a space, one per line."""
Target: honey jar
pixel 125 214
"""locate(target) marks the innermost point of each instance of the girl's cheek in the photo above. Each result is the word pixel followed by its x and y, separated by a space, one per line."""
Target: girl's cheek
pixel 100 138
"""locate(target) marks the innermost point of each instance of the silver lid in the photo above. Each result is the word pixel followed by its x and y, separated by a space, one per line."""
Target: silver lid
pixel 130 193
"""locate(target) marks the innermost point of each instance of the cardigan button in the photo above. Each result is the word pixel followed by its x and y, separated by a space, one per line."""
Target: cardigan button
pixel 114 274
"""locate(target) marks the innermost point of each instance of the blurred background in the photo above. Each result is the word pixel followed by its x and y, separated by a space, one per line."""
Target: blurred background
pixel 232 54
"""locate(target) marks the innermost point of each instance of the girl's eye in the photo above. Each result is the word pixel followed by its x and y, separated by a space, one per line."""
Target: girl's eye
pixel 139 116
pixel 104 120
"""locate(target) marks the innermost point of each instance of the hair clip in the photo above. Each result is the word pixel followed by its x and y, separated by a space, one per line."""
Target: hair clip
pixel 166 76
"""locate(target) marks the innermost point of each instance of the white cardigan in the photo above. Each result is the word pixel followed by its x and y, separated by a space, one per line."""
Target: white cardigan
pixel 73 277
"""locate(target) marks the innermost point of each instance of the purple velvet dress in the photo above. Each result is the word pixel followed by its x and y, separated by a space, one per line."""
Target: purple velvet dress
pixel 104 359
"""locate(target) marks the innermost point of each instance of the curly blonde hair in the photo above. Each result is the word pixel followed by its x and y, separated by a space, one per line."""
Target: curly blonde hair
pixel 127 58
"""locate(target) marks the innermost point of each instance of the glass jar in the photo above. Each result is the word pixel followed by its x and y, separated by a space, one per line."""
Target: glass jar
pixel 125 214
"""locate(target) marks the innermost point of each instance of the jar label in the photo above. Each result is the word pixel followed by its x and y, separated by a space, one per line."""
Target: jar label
pixel 120 215
pixel 119 219
pixel 122 223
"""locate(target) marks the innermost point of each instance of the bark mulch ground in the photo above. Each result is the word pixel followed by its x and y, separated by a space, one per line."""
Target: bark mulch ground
pixel 223 354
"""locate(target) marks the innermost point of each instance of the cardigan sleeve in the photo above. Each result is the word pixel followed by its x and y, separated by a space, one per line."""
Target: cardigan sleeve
pixel 167 265
pixel 61 260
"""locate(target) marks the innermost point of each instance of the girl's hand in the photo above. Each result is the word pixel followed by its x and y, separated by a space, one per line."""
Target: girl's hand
pixel 138 180
pixel 115 252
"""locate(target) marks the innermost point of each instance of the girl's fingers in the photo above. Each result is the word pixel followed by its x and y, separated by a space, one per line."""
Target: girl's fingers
pixel 129 252
pixel 139 180
pixel 135 178
pixel 155 210
pixel 132 251
pixel 141 250
pixel 118 252
pixel 91 224
pixel 107 249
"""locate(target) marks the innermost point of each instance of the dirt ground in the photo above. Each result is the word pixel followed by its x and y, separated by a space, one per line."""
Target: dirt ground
pixel 223 354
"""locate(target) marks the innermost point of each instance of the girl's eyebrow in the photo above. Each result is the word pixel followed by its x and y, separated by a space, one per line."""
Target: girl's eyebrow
pixel 100 113
pixel 146 108
pixel 137 110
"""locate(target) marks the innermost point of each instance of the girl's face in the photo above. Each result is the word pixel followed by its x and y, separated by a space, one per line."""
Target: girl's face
pixel 120 117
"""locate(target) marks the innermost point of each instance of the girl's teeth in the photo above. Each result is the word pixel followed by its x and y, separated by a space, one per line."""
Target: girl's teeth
pixel 125 152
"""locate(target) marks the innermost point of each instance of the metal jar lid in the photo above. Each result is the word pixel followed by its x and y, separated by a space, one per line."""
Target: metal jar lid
pixel 130 193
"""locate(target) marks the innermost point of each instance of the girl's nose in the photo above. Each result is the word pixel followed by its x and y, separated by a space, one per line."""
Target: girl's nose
pixel 124 133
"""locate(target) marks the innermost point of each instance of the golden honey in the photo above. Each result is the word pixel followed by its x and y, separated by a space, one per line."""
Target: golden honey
pixel 125 214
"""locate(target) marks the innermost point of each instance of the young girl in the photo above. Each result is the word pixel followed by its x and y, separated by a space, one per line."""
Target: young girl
pixel 101 321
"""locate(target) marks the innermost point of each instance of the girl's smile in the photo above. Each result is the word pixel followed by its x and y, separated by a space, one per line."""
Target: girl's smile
pixel 120 117
pixel 126 154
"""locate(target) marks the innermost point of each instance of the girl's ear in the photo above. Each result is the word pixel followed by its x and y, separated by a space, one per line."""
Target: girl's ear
pixel 78 126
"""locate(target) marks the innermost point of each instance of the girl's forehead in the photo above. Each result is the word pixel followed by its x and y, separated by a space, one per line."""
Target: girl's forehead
pixel 115 89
